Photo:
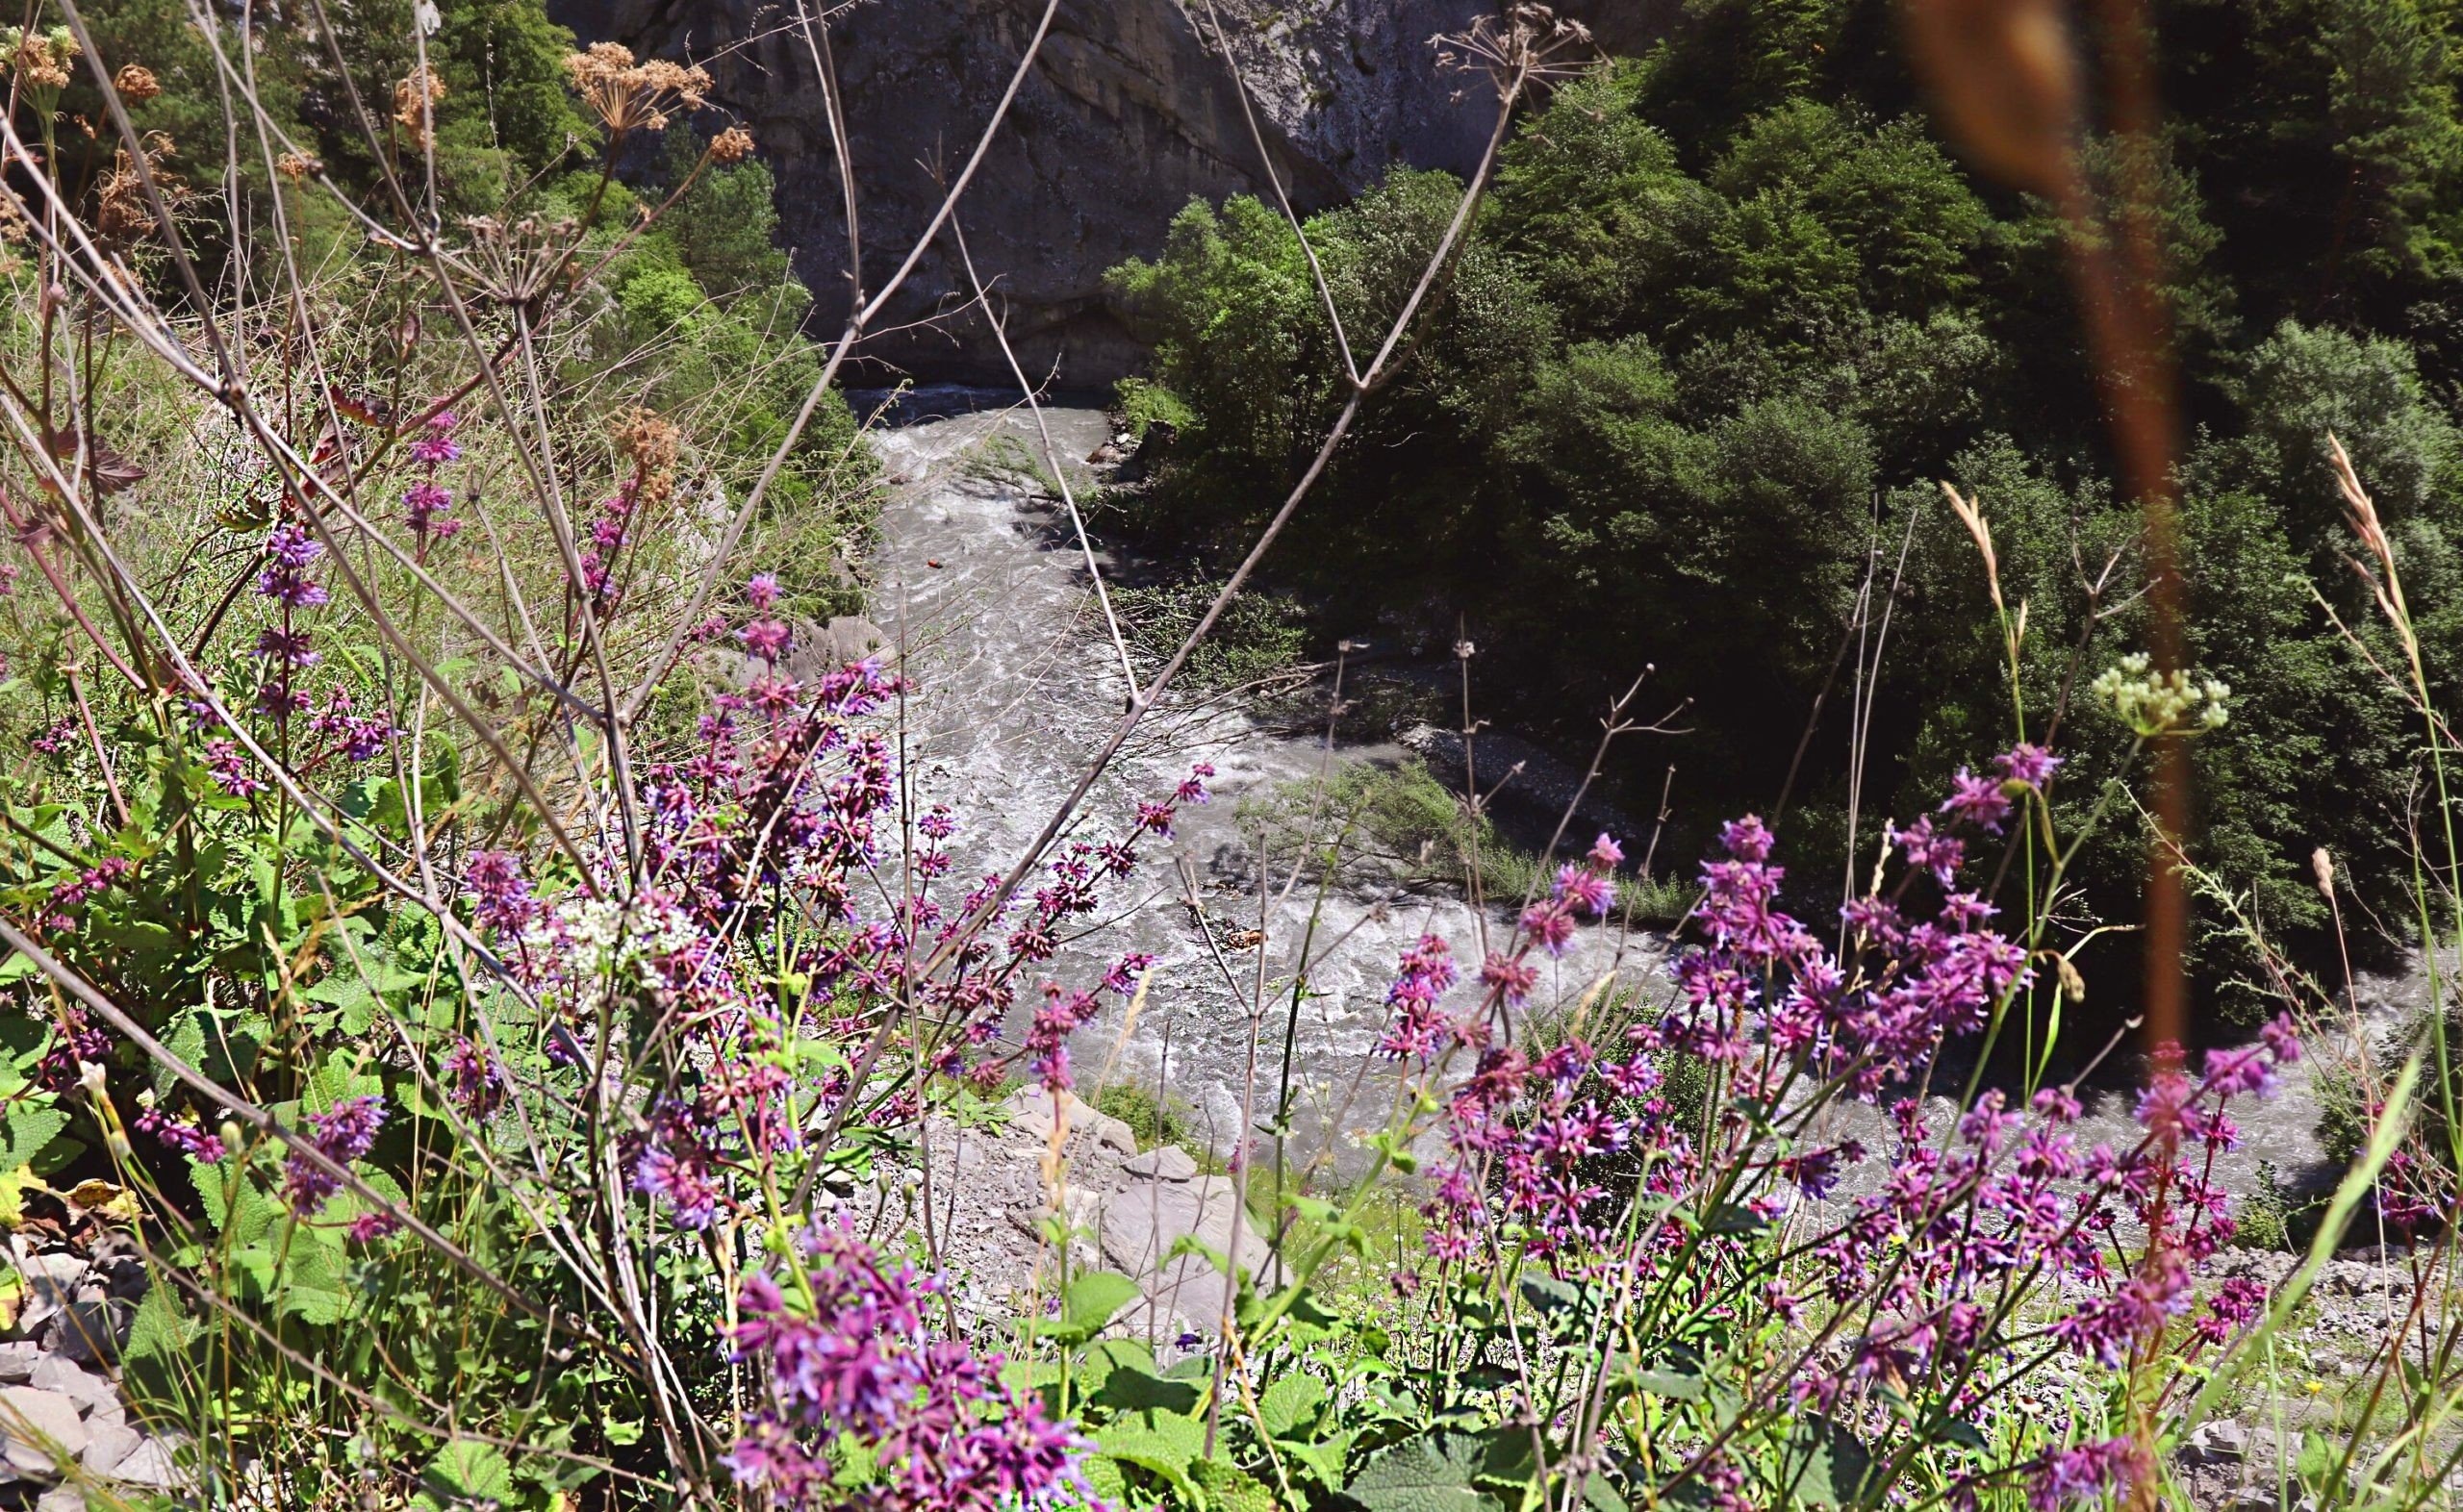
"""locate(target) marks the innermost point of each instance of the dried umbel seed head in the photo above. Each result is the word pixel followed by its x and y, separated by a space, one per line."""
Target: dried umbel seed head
pixel 652 443
pixel 41 58
pixel 414 102
pixel 124 211
pixel 295 168
pixel 628 96
pixel 732 145
pixel 136 82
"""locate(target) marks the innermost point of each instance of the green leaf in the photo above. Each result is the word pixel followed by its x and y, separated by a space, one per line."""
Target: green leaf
pixel 1677 1376
pixel 1289 1401
pixel 1133 1388
pixel 1166 1447
pixel 314 1287
pixel 1547 1295
pixel 1428 1474
pixel 467 1474
pixel 1323 1458
pixel 1104 1479
pixel 1734 1218
pixel 160 1334
pixel 1090 1302
pixel 31 1129
pixel 1965 1434
pixel 1231 1489
pixel 1829 1466
pixel 1106 1355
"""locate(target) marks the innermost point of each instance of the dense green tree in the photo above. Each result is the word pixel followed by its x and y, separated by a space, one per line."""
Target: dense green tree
pixel 1729 315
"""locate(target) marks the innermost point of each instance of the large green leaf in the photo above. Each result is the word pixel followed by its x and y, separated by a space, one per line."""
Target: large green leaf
pixel 1829 1467
pixel 1322 1457
pixel 1291 1400
pixel 1166 1447
pixel 160 1334
pixel 1088 1304
pixel 29 1130
pixel 465 1474
pixel 1428 1474
pixel 1133 1388
pixel 1228 1488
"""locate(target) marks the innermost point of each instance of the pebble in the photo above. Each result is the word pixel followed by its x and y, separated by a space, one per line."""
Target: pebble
pixel 88 1390
pixel 40 1429
pixel 108 1443
pixel 149 1465
pixel 1169 1162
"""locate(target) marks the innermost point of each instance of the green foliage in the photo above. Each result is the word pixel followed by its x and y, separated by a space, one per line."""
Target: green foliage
pixel 504 59
pixel 1144 405
pixel 1731 315
pixel 1257 636
pixel 725 226
pixel 1404 819
pixel 1154 1118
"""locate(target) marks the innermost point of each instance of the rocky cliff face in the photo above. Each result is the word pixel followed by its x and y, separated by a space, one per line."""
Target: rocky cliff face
pixel 1128 115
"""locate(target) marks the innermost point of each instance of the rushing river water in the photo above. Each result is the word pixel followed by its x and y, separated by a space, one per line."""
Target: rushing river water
pixel 982 581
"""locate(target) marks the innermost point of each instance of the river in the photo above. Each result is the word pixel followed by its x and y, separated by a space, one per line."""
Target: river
pixel 980 580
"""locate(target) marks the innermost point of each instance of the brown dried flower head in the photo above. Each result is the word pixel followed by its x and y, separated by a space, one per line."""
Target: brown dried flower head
pixel 295 168
pixel 732 145
pixel 41 58
pixel 136 82
pixel 124 213
pixel 518 262
pixel 414 102
pixel 12 221
pixel 653 443
pixel 630 96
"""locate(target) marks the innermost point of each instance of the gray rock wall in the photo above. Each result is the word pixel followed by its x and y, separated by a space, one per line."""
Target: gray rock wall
pixel 1126 118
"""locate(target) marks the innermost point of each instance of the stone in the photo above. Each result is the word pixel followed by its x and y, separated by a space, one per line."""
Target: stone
pixel 150 1464
pixel 17 1360
pixel 40 1429
pixel 1140 1227
pixel 2222 1439
pixel 89 1389
pixel 819 650
pixel 1133 114
pixel 58 1267
pixel 51 1282
pixel 109 1444
pixel 1030 1121
pixel 62 1498
pixel 1164 1163
pixel 92 1331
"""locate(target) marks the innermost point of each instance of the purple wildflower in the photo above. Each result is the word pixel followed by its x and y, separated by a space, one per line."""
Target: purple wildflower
pixel 2030 765
pixel 342 1134
pixel 765 639
pixel 2068 1477
pixel 1978 800
pixel 857 1362
pixel 436 446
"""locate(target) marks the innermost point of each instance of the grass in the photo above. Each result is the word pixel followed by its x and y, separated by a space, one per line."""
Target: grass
pixel 1258 638
pixel 1401 818
pixel 1157 1119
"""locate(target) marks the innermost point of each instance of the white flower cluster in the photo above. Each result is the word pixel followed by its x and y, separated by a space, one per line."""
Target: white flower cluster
pixel 2156 703
pixel 609 947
